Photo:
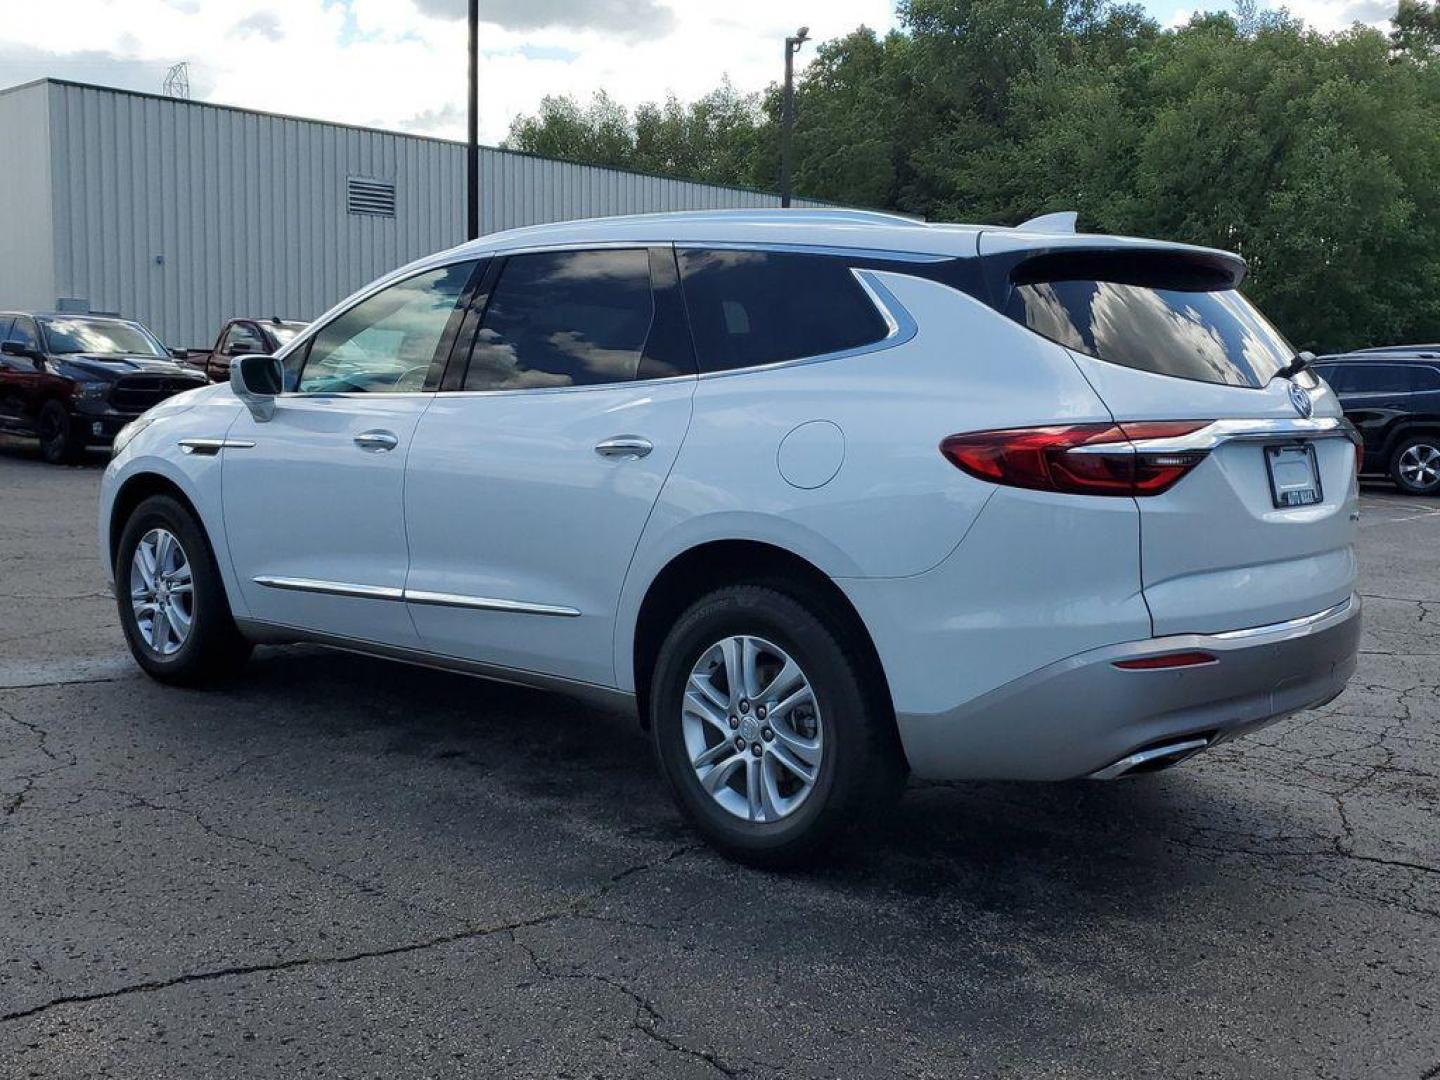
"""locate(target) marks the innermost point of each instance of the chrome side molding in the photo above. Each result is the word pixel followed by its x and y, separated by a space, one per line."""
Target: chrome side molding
pixel 330 588
pixel 413 596
pixel 486 603
pixel 1223 431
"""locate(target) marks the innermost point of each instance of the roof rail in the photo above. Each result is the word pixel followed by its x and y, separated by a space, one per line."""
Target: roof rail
pixel 1060 222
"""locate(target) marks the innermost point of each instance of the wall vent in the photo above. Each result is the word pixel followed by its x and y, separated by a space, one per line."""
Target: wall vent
pixel 365 196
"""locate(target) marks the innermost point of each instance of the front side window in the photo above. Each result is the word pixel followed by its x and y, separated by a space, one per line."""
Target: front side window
pixel 564 318
pixel 749 308
pixel 385 343
pixel 1162 320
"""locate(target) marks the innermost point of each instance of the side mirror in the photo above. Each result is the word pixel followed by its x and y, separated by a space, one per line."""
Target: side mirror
pixel 257 380
pixel 15 348
pixel 180 354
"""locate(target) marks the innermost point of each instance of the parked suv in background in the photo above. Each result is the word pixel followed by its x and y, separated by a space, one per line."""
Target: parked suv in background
pixel 823 495
pixel 1393 399
pixel 75 380
pixel 242 337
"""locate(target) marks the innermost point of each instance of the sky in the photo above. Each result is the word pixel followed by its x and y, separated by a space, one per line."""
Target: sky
pixel 400 64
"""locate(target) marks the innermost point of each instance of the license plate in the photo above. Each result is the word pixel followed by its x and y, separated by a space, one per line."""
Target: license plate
pixel 1294 476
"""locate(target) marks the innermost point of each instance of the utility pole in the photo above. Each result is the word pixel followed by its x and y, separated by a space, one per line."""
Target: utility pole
pixel 787 111
pixel 472 143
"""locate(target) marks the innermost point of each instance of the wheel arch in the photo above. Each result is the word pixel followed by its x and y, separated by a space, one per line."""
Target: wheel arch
pixel 135 490
pixel 714 564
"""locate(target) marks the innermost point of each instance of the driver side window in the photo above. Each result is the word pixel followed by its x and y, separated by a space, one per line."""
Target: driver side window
pixel 385 344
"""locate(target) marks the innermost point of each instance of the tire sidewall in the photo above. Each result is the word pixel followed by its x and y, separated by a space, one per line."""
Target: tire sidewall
pixel 781 620
pixel 1395 474
pixel 62 448
pixel 209 609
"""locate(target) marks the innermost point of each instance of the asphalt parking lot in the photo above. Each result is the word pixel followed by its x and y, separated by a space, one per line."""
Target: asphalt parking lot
pixel 343 867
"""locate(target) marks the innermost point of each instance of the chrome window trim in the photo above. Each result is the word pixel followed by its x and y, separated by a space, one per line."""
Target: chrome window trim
pixel 413 596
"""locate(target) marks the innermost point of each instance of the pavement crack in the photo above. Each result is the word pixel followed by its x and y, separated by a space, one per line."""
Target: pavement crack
pixel 469 933
pixel 28 780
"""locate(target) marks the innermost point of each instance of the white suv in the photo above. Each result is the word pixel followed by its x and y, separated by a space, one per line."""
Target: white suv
pixel 823 495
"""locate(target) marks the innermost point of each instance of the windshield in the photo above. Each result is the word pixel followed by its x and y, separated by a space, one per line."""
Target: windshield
pixel 80 335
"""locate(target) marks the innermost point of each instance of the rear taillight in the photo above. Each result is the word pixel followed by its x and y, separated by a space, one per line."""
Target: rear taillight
pixel 1079 459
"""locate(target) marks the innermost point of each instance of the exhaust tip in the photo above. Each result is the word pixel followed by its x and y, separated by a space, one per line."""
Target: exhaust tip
pixel 1153 758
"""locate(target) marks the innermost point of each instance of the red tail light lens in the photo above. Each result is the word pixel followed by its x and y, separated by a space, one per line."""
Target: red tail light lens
pixel 1079 459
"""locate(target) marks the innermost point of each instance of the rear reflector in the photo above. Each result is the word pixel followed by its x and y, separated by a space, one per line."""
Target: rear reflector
pixel 1169 660
pixel 1079 459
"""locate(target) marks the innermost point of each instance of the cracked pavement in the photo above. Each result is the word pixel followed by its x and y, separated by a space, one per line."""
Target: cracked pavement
pixel 341 867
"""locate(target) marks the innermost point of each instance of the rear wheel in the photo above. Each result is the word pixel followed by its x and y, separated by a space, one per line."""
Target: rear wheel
pixel 1415 465
pixel 770 734
pixel 171 600
pixel 61 442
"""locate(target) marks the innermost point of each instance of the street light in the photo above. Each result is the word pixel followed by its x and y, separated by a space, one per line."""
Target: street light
pixel 787 113
pixel 472 134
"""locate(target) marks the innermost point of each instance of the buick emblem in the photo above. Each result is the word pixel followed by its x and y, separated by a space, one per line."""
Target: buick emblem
pixel 1301 400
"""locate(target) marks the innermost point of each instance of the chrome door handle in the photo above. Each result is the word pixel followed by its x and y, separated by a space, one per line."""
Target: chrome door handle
pixel 623 446
pixel 376 441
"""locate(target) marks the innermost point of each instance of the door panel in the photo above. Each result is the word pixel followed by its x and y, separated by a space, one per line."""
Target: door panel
pixel 508 500
pixel 314 504
pixel 527 491
pixel 308 504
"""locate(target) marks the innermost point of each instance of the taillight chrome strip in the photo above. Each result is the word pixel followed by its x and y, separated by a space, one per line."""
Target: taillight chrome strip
pixel 1223 431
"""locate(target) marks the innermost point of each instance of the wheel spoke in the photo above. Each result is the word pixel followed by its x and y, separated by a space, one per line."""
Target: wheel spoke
pixel 771 801
pixel 784 682
pixel 182 590
pixel 755 789
pixel 749 667
pixel 713 756
pixel 145 563
pixel 181 575
pixel 179 621
pixel 716 778
pixel 164 547
pixel 159 630
pixel 802 696
pixel 701 705
pixel 788 756
pixel 707 689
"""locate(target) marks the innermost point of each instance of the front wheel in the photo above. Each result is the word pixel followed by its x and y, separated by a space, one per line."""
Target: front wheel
pixel 171 600
pixel 771 735
pixel 61 442
pixel 1415 465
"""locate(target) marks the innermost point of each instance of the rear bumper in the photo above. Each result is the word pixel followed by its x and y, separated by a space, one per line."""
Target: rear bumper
pixel 1081 715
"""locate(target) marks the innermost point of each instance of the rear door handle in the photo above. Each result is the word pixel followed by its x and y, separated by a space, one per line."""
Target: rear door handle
pixel 625 446
pixel 376 441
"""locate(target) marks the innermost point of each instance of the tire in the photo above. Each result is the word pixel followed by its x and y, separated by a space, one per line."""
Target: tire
pixel 850 728
pixel 61 441
pixel 1415 465
pixel 212 648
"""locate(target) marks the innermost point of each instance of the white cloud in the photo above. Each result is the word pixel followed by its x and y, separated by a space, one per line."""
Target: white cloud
pixel 401 63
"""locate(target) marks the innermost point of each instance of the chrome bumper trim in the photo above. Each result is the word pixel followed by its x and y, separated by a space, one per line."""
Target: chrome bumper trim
pixel 1288 625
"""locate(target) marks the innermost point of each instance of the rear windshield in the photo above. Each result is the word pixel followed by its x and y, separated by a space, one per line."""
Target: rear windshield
pixel 1170 324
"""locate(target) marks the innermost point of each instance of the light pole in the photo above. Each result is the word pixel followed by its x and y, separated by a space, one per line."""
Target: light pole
pixel 787 111
pixel 472 143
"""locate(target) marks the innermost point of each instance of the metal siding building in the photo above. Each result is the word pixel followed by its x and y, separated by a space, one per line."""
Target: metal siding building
pixel 184 214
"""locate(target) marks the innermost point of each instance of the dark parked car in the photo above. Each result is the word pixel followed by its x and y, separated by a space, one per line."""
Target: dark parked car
pixel 240 337
pixel 1394 399
pixel 75 380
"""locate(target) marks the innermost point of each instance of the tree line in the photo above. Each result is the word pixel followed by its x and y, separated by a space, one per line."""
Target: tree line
pixel 1314 156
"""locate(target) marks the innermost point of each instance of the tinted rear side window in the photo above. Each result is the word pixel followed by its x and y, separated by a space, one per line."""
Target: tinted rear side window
pixel 1385 379
pixel 749 308
pixel 1170 324
pixel 564 318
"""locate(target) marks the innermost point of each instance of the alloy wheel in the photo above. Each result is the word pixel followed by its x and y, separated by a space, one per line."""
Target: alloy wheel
pixel 752 728
pixel 162 591
pixel 1420 465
